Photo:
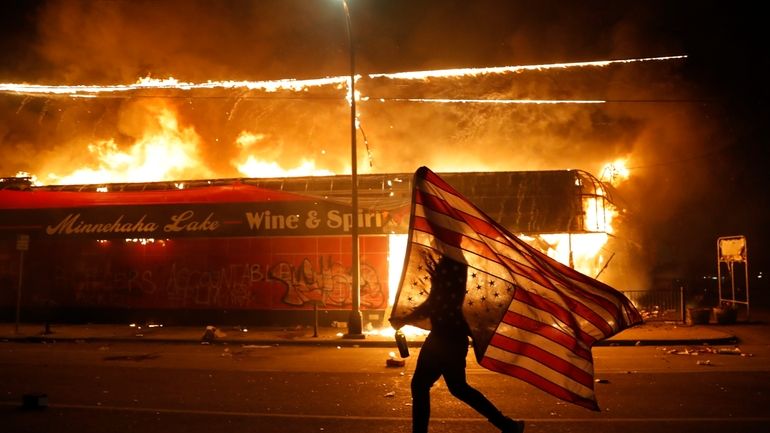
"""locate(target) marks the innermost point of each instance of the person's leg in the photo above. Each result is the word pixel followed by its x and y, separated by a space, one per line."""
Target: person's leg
pixel 459 387
pixel 454 376
pixel 426 373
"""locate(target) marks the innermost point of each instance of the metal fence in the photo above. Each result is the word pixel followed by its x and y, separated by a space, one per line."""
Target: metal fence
pixel 659 305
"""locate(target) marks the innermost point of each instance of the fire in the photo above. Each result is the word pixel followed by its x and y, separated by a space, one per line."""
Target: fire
pixel 164 151
pixel 583 251
pixel 615 172
pixel 464 72
pixel 255 168
pixel 498 101
pixel 148 83
pixel 167 150
pixel 250 166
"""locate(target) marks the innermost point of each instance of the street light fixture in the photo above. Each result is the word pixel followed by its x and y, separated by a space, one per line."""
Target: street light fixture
pixel 355 321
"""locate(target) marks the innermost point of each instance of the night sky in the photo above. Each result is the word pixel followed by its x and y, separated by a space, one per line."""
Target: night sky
pixel 695 130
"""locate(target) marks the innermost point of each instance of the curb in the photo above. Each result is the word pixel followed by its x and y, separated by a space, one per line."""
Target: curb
pixel 720 341
pixel 340 342
pixel 222 341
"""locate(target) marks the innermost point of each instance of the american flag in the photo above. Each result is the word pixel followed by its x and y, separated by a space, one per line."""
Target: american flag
pixel 530 316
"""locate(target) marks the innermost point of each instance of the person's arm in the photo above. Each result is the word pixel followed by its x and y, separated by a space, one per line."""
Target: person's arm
pixel 421 312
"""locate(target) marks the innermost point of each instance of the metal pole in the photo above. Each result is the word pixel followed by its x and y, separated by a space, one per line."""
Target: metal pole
pixel 315 319
pixel 18 290
pixel 355 322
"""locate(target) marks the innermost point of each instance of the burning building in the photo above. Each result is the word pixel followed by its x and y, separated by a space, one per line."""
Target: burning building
pixel 265 250
pixel 262 234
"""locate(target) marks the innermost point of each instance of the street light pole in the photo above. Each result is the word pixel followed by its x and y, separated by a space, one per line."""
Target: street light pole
pixel 355 321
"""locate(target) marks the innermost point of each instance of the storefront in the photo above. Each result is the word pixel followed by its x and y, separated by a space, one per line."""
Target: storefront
pixel 234 253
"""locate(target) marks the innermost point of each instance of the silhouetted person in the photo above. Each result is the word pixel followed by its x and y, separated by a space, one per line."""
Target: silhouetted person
pixel 446 348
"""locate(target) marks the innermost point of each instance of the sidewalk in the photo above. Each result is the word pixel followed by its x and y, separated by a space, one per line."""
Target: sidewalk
pixel 651 333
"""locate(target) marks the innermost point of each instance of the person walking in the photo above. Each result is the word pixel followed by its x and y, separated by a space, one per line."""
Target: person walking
pixel 446 348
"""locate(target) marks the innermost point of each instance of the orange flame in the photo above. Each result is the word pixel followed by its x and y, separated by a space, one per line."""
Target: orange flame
pixel 164 151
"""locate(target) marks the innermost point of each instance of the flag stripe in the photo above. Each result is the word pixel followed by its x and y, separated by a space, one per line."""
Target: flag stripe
pixel 551 332
pixel 543 371
pixel 540 382
pixel 544 357
pixel 478 225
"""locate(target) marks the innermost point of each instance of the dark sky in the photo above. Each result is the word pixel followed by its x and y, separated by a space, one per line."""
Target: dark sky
pixel 695 129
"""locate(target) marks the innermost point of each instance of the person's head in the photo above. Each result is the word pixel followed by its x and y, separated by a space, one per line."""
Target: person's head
pixel 448 276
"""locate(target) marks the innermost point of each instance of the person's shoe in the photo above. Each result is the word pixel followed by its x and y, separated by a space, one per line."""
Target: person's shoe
pixel 512 426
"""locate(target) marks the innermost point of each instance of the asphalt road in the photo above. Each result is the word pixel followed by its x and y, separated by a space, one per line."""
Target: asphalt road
pixel 154 387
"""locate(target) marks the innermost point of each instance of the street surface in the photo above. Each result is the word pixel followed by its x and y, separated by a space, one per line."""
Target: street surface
pixel 155 387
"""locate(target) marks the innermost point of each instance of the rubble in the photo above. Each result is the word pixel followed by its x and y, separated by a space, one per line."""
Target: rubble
pixel 695 351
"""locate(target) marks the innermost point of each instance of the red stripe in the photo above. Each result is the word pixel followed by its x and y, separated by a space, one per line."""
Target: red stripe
pixel 423 173
pixel 612 307
pixel 538 381
pixel 544 357
pixel 455 239
pixel 529 273
pixel 546 330
pixel 562 314
pixel 615 306
pixel 478 225
pixel 576 306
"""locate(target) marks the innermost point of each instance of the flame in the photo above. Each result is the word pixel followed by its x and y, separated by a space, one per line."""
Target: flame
pixel 583 251
pixel 164 151
pixel 250 166
pixel 148 83
pixel 286 84
pixel 168 151
pixel 253 167
pixel 32 178
pixel 615 172
pixel 464 72
pixel 497 101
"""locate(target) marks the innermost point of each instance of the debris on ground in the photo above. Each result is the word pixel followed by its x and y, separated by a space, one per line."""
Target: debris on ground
pixel 392 361
pixel 210 334
pixel 35 401
pixel 694 351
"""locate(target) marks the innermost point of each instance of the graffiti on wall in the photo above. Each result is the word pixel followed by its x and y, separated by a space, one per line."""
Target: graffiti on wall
pixel 227 286
pixel 261 274
pixel 329 285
